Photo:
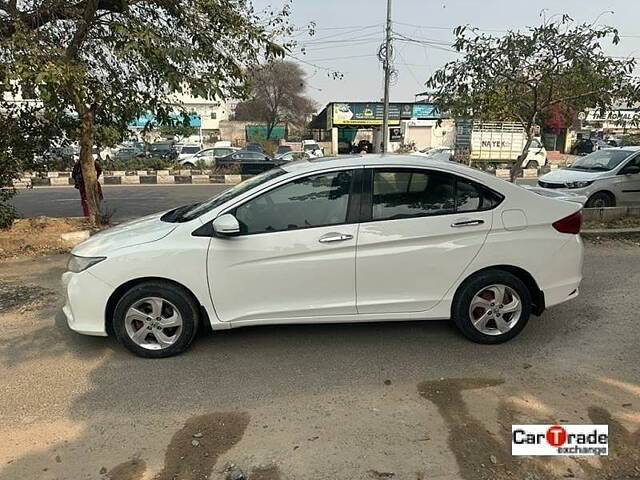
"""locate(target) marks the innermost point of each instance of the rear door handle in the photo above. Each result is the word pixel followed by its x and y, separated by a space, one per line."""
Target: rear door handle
pixel 335 237
pixel 467 223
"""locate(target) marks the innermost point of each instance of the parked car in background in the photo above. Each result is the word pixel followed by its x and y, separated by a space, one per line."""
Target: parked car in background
pixel 585 146
pixel 126 153
pixel 354 239
pixel 292 156
pixel 254 147
pixel 247 162
pixel 363 146
pixel 186 150
pixel 312 148
pixel 208 156
pixel 436 153
pixel 283 149
pixel 163 150
pixel 607 178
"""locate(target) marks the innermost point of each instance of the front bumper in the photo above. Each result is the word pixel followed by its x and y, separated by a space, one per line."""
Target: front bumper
pixel 85 302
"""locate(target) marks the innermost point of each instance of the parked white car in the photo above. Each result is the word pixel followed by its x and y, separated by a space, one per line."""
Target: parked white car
pixel 607 178
pixel 207 155
pixel 354 239
pixel 187 150
pixel 312 148
pixel 436 153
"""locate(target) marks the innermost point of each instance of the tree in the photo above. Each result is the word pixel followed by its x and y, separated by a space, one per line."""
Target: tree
pixel 106 62
pixel 526 76
pixel 276 95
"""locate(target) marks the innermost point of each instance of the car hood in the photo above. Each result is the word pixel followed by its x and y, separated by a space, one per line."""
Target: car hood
pixel 570 175
pixel 143 230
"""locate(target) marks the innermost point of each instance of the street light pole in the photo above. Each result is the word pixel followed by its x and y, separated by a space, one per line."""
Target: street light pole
pixel 387 75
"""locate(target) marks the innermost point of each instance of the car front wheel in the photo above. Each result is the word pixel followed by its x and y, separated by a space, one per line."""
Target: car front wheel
pixel 156 319
pixel 601 200
pixel 492 307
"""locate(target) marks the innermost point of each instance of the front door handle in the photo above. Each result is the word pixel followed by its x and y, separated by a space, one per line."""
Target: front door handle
pixel 335 237
pixel 467 223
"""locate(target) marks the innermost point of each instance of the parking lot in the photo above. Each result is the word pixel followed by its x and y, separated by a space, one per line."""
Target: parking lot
pixel 402 400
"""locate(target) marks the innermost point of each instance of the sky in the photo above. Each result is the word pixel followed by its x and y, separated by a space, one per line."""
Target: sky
pixel 349 32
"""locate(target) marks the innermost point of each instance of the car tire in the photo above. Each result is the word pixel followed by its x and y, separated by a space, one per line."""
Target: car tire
pixel 188 165
pixel 533 164
pixel 601 200
pixel 167 313
pixel 488 320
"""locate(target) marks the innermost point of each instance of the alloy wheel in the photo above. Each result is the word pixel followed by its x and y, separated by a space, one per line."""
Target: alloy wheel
pixel 495 309
pixel 153 323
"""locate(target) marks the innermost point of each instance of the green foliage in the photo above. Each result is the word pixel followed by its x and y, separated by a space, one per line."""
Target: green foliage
pixel 524 75
pixel 177 131
pixel 7 215
pixel 139 164
pixel 108 62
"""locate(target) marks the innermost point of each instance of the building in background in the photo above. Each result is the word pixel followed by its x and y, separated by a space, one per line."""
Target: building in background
pixel 411 125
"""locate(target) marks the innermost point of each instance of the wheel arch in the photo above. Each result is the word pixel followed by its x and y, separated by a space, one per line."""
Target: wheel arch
pixel 537 295
pixel 119 292
pixel 606 192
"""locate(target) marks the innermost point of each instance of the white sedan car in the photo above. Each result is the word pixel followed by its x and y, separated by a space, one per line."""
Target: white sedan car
pixel 354 239
pixel 607 178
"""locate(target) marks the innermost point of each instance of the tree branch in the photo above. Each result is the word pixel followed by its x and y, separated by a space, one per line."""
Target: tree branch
pixel 35 19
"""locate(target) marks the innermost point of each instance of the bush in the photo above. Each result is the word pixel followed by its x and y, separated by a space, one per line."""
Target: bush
pixel 7 215
pixel 138 164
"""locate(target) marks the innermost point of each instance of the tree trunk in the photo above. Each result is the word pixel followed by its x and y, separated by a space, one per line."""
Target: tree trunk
pixel 89 176
pixel 517 166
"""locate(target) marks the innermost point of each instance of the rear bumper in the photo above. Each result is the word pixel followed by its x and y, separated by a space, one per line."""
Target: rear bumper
pixel 85 301
pixel 563 280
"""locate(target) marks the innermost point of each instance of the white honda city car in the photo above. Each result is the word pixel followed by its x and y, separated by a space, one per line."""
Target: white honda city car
pixel 349 239
pixel 607 178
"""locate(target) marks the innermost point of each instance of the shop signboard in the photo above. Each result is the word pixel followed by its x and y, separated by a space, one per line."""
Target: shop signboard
pixel 364 113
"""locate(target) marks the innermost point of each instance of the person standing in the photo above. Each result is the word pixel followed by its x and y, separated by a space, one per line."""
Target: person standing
pixel 76 174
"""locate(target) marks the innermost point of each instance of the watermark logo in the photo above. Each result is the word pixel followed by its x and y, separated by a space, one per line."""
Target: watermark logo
pixel 579 440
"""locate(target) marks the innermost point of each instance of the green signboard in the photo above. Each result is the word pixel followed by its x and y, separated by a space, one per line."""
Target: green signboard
pixel 364 113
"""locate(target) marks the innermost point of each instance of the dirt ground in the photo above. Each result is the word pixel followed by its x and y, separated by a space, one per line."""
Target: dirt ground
pixel 38 236
pixel 625 222
pixel 397 400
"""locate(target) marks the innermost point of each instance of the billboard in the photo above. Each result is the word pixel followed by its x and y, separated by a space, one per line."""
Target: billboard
pixel 364 113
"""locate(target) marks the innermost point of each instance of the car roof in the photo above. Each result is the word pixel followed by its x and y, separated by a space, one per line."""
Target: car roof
pixel 630 148
pixel 396 160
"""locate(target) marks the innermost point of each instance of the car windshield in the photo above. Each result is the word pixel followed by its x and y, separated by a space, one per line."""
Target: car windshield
pixel 189 212
pixel 602 160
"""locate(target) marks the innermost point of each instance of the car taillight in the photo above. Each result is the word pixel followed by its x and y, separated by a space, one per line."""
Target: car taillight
pixel 570 224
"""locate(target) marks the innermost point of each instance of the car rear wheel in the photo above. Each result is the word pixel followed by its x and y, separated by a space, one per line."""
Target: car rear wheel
pixel 188 165
pixel 601 200
pixel 491 307
pixel 533 164
pixel 156 319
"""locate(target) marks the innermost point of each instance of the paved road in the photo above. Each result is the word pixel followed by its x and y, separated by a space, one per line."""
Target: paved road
pixel 318 402
pixel 127 202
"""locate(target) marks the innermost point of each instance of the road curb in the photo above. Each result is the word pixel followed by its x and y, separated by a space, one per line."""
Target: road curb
pixel 179 177
pixel 611 232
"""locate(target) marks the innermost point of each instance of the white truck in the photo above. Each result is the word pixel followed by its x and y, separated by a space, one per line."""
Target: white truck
pixel 501 143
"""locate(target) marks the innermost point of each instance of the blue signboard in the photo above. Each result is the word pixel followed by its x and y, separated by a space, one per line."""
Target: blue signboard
pixel 150 120
pixel 423 110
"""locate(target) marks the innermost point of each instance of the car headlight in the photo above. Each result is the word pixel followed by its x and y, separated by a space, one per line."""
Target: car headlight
pixel 78 264
pixel 578 184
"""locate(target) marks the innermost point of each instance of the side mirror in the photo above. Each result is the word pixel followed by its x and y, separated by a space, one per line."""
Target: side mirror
pixel 630 170
pixel 226 225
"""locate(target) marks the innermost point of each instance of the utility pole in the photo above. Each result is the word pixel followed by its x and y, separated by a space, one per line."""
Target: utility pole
pixel 387 75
